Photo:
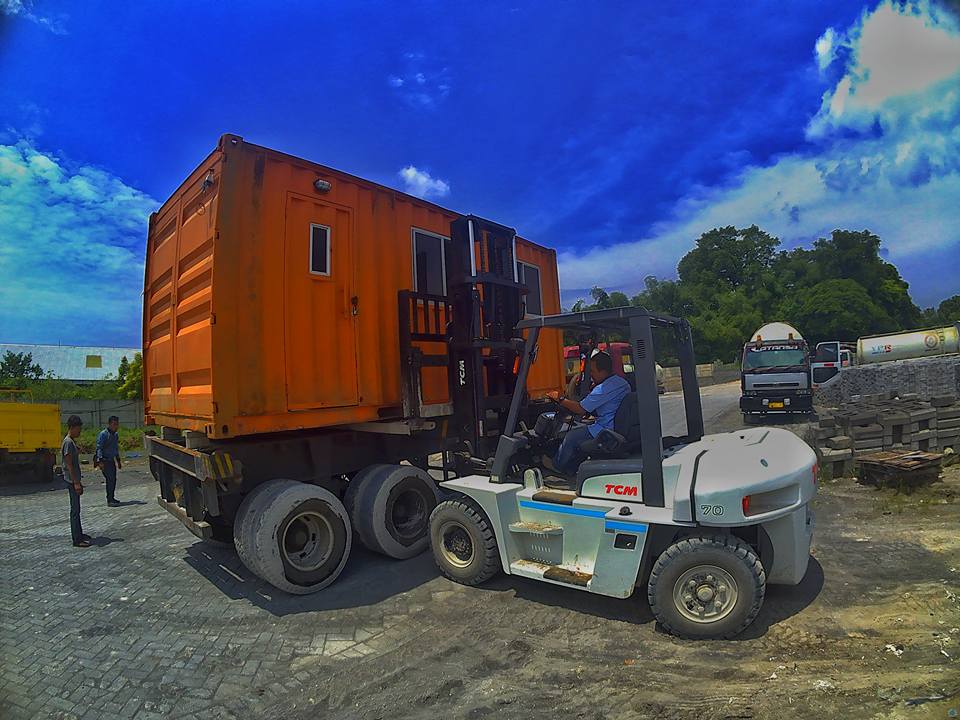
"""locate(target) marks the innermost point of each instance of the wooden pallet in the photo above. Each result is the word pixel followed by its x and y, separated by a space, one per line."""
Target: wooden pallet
pixel 901 470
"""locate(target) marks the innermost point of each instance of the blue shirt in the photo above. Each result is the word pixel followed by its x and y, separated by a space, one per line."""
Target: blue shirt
pixel 108 444
pixel 604 401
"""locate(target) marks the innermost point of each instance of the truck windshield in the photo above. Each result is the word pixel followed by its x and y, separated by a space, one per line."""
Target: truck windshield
pixel 755 358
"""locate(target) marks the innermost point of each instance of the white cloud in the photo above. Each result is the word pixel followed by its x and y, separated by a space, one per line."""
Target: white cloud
pixel 826 48
pixel 899 177
pixel 422 184
pixel 24 9
pixel 895 51
pixel 71 250
pixel 421 83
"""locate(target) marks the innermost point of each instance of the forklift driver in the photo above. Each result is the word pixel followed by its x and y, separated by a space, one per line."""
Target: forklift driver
pixel 603 402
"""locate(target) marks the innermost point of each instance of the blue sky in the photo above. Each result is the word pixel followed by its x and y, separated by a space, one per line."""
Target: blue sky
pixel 614 132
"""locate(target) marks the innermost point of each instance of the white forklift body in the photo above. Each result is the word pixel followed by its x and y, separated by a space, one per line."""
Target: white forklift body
pixel 705 522
pixel 595 539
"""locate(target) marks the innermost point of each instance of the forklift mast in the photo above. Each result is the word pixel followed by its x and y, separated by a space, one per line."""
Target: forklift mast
pixel 483 343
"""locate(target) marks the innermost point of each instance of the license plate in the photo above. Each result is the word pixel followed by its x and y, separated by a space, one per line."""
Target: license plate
pixel 775 405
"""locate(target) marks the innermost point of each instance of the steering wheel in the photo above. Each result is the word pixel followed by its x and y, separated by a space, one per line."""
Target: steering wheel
pixel 561 417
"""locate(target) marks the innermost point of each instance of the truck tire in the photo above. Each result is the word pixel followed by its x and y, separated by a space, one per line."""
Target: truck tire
pixel 706 587
pixel 463 542
pixel 391 510
pixel 301 537
pixel 243 528
pixel 43 466
pixel 353 488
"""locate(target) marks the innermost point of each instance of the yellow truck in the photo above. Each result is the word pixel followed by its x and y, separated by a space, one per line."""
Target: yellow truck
pixel 29 438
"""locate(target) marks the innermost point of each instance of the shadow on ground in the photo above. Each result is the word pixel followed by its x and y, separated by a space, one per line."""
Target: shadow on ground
pixel 368 579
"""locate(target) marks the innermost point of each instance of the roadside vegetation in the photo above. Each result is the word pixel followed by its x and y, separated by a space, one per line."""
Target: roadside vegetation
pixel 735 280
pixel 23 379
pixel 131 439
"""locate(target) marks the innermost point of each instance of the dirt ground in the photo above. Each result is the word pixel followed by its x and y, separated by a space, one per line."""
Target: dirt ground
pixel 874 625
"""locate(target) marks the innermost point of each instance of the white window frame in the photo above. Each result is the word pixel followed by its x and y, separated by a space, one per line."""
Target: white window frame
pixel 329 246
pixel 443 255
pixel 539 285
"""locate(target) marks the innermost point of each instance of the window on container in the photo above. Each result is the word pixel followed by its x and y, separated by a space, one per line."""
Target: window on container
pixel 529 275
pixel 429 263
pixel 94 361
pixel 319 250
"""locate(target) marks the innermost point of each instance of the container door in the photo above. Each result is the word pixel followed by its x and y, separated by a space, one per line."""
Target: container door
pixel 319 309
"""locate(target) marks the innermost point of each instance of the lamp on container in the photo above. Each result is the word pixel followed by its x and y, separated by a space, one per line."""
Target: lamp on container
pixel 321 185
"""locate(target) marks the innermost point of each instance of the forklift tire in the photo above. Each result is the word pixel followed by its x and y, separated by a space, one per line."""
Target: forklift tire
pixel 706 587
pixel 301 537
pixel 463 542
pixel 391 510
pixel 243 523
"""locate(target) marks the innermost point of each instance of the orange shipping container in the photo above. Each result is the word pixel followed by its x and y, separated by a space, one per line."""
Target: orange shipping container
pixel 270 296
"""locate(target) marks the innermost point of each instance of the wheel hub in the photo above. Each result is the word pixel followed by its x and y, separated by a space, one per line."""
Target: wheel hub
pixel 705 593
pixel 308 541
pixel 456 544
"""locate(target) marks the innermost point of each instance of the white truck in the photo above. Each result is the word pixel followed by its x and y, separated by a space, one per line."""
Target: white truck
pixel 775 373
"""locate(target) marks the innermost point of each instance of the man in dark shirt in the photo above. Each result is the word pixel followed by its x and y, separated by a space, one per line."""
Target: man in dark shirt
pixel 71 475
pixel 107 457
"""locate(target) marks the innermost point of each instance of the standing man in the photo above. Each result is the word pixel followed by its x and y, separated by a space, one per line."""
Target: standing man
pixel 107 457
pixel 71 475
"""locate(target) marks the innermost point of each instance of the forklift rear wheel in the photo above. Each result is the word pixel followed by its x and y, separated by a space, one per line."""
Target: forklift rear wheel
pixel 706 587
pixel 464 545
pixel 391 509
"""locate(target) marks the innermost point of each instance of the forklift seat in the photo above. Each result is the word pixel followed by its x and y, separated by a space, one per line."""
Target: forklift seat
pixel 597 468
pixel 624 440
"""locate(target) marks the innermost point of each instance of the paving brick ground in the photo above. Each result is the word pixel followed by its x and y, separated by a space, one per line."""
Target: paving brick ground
pixel 151 622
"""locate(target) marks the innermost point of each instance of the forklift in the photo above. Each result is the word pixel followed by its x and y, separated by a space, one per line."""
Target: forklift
pixel 700 523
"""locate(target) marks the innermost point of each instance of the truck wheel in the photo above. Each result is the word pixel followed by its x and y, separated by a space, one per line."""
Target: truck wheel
pixel 464 545
pixel 43 466
pixel 301 537
pixel 357 482
pixel 391 510
pixel 244 530
pixel 706 587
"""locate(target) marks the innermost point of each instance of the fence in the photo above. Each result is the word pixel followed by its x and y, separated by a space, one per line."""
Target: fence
pixel 95 412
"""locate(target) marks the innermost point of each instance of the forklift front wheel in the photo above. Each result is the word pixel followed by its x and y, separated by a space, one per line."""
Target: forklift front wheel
pixel 464 545
pixel 707 587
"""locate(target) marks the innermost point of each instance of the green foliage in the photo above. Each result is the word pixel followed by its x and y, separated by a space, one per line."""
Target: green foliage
pixel 17 369
pixel 130 438
pixel 837 309
pixel 735 280
pixel 949 310
pixel 130 385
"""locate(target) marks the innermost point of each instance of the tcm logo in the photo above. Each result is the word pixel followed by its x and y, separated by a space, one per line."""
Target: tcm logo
pixel 622 490
pixel 463 372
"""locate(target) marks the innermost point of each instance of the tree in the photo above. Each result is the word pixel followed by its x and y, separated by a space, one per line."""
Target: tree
pixel 728 258
pixel 837 310
pixel 19 369
pixel 122 371
pixel 132 386
pixel 949 310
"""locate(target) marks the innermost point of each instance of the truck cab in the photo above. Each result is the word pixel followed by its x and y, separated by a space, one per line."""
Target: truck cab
pixel 775 373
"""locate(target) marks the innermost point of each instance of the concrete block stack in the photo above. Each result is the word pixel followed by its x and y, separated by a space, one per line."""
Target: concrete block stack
pixel 924 377
pixel 886 421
